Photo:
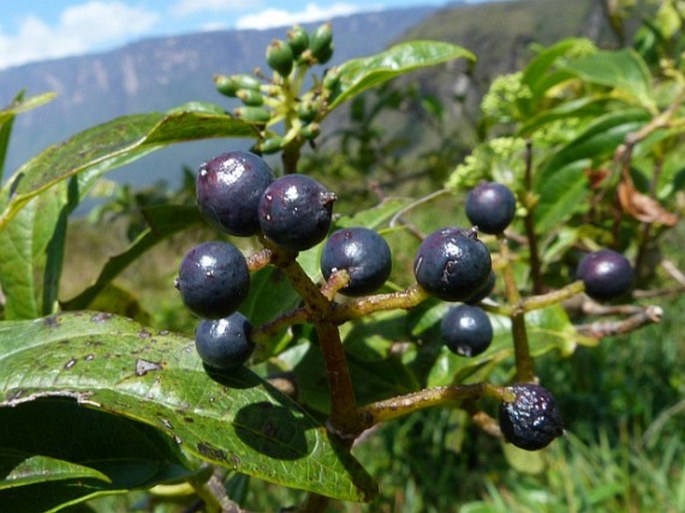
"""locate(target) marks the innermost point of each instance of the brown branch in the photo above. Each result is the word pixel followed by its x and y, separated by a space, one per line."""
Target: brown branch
pixel 650 314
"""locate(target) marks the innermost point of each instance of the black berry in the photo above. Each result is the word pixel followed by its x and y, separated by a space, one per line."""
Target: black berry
pixel 224 343
pixel 452 264
pixel 483 291
pixel 228 189
pixel 295 212
pixel 363 253
pixel 213 279
pixel 532 420
pixel 490 206
pixel 606 274
pixel 466 330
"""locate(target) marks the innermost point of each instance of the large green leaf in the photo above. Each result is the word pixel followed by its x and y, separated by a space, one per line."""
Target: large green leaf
pixel 113 144
pixel 624 70
pixel 358 75
pixel 54 453
pixel 230 419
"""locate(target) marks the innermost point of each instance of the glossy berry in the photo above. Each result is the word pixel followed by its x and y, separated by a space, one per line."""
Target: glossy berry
pixel 228 190
pixel 491 207
pixel 606 274
pixel 213 279
pixel 532 420
pixel 224 343
pixel 452 264
pixel 363 253
pixel 295 212
pixel 466 330
pixel 483 291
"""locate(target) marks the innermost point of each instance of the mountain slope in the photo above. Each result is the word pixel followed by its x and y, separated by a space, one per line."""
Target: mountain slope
pixel 158 74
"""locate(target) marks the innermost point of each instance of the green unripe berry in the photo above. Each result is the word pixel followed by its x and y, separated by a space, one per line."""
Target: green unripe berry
pixel 250 97
pixel 271 145
pixel 246 82
pixel 321 42
pixel 279 57
pixel 253 114
pixel 226 85
pixel 298 40
pixel 307 111
pixel 324 55
pixel 310 131
pixel 331 80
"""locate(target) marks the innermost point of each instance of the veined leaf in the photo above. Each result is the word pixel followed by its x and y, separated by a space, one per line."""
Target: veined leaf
pixel 358 75
pixel 623 70
pixel 113 144
pixel 231 419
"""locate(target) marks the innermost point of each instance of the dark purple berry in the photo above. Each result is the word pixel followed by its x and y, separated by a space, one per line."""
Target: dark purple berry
pixel 606 274
pixel 491 207
pixel 363 253
pixel 484 291
pixel 228 189
pixel 532 420
pixel 224 343
pixel 295 212
pixel 452 264
pixel 213 279
pixel 466 330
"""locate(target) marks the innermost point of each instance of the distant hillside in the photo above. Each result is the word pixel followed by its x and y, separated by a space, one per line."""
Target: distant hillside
pixel 157 74
pixel 501 35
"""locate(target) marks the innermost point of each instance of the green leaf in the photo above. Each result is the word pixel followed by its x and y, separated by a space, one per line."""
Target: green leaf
pixel 110 145
pixel 562 193
pixel 30 255
pixel 374 217
pixel 232 419
pixel 358 75
pixel 598 141
pixel 55 453
pixel 537 69
pixel 163 222
pixel 624 70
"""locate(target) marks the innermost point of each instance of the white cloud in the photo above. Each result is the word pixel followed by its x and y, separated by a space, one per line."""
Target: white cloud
pixel 185 7
pixel 81 28
pixel 270 18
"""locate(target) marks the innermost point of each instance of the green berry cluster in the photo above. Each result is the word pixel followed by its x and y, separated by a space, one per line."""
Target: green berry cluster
pixel 267 100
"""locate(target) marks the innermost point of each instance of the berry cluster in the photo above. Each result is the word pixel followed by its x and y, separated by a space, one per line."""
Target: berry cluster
pixel 265 101
pixel 239 195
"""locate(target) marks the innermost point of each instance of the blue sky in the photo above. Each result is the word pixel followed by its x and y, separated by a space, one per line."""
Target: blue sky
pixel 44 29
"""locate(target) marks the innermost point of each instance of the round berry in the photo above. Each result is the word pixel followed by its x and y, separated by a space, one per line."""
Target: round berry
pixel 452 264
pixel 532 420
pixel 490 206
pixel 606 274
pixel 466 330
pixel 295 212
pixel 363 253
pixel 213 279
pixel 228 189
pixel 484 291
pixel 224 343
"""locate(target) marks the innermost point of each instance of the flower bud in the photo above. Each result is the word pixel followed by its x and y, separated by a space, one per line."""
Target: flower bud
pixel 253 114
pixel 250 97
pixel 298 40
pixel 279 57
pixel 320 42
